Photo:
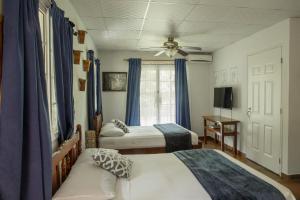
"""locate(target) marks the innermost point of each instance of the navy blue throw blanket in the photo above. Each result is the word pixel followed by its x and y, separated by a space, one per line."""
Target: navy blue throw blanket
pixel 222 179
pixel 177 138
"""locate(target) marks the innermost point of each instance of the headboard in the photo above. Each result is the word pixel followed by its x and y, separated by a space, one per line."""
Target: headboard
pixel 1 54
pixel 64 158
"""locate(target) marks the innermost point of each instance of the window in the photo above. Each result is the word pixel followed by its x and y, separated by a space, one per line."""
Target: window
pixel 157 94
pixel 49 71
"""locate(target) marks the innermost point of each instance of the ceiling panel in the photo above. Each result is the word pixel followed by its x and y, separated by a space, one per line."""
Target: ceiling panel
pixel 123 24
pixel 210 24
pixel 161 26
pixel 188 27
pixel 123 9
pixel 117 44
pixel 168 11
pixel 261 4
pixel 177 1
pixel 87 8
pixel 124 35
pixel 239 15
pixel 93 23
pixel 239 29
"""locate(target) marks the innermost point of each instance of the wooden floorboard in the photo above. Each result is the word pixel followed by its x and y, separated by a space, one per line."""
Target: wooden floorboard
pixel 292 184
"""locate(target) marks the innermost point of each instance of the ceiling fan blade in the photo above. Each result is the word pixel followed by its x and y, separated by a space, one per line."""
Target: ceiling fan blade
pixel 192 48
pixel 153 48
pixel 159 53
pixel 181 52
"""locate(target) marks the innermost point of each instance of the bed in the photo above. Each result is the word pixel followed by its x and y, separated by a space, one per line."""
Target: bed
pixel 140 139
pixel 154 176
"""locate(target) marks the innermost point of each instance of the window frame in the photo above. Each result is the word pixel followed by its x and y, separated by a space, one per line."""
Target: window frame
pixel 46 33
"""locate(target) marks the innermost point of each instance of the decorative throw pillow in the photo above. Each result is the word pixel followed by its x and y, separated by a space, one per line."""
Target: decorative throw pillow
pixel 113 162
pixel 121 125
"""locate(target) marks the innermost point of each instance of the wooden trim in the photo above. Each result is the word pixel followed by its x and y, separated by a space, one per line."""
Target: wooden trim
pixel 98 122
pixel 290 177
pixel 152 150
pixel 230 148
pixel 64 159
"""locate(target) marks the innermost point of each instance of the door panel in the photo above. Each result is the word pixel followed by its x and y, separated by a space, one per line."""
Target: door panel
pixel 268 131
pixel 264 104
pixel 268 98
pixel 256 97
pixel 255 135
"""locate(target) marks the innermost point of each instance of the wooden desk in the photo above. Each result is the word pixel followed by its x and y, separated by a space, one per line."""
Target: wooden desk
pixel 221 129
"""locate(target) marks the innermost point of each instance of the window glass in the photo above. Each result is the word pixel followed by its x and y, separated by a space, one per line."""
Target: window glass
pixel 157 94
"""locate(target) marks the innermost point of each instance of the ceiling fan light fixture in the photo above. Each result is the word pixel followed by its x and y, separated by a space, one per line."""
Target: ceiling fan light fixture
pixel 171 52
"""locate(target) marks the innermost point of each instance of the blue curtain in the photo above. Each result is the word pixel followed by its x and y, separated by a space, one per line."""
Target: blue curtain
pixel 25 147
pixel 63 60
pixel 98 88
pixel 133 92
pixel 182 94
pixel 91 91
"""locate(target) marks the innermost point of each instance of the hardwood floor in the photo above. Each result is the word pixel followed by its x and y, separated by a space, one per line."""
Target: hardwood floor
pixel 292 184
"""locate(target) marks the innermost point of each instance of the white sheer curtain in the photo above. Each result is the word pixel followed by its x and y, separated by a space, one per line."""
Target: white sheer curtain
pixel 157 94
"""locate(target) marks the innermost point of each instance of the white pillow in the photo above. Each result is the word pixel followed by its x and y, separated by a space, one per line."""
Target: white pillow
pixel 108 125
pixel 111 132
pixel 87 182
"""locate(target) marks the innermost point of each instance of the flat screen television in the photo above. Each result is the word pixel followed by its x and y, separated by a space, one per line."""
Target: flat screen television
pixel 223 97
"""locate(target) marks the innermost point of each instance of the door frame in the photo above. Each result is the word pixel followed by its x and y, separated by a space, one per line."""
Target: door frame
pixel 281 108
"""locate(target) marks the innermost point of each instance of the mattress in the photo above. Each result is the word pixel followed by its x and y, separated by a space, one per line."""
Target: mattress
pixel 139 137
pixel 165 177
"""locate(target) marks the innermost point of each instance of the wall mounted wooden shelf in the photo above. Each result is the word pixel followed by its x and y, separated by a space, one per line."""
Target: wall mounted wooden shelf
pixel 86 65
pixel 76 56
pixel 81 36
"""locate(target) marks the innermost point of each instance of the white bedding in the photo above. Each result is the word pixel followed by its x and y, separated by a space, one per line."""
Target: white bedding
pixel 165 177
pixel 139 137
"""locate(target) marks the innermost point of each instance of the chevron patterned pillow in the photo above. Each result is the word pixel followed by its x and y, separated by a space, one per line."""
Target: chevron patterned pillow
pixel 121 125
pixel 113 162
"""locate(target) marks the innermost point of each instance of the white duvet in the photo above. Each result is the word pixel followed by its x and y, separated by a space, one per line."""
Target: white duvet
pixel 165 177
pixel 139 137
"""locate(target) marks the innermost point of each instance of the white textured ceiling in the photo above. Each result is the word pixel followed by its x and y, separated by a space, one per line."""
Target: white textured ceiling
pixel 210 24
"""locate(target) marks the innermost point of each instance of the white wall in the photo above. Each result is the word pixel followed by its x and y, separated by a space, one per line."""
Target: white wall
pixel 114 103
pixel 235 56
pixel 199 93
pixel 80 98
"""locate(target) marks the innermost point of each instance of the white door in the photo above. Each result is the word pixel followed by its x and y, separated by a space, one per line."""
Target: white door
pixel 264 109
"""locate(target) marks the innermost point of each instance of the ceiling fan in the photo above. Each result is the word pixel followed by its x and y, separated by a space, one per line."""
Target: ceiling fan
pixel 171 48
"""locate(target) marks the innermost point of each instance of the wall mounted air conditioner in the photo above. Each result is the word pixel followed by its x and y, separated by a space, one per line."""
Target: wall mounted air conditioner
pixel 200 58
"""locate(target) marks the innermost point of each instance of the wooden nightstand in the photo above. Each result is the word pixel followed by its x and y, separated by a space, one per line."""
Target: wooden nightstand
pixel 90 139
pixel 220 129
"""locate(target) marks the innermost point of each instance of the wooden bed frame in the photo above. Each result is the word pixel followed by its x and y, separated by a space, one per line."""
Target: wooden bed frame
pixel 1 55
pixel 152 150
pixel 64 158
